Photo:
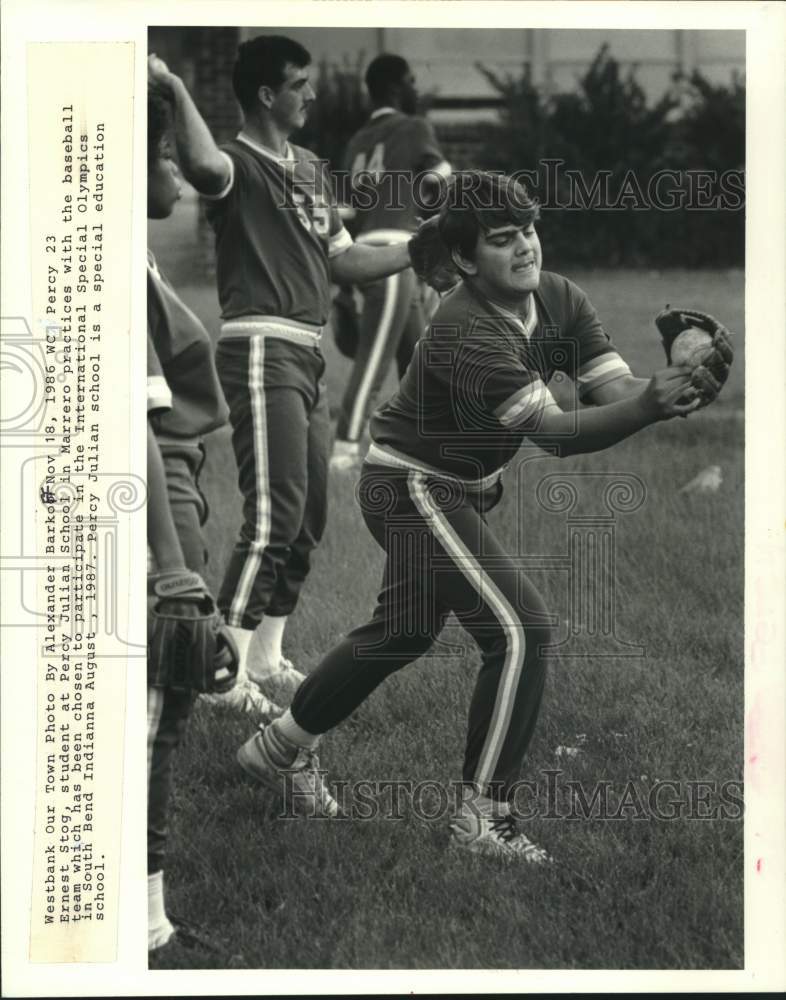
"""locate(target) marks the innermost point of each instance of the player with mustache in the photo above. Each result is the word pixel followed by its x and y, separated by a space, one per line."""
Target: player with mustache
pixel 279 244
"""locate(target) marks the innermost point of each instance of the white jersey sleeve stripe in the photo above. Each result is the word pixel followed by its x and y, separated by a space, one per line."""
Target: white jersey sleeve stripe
pixel 339 242
pixel 522 405
pixel 602 369
pixel 229 184
pixel 159 395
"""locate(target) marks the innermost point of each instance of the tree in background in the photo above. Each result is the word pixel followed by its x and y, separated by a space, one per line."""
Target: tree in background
pixel 603 203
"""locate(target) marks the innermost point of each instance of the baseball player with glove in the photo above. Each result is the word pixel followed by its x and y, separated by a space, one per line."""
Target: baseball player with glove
pixel 476 390
pixel 190 649
pixel 710 375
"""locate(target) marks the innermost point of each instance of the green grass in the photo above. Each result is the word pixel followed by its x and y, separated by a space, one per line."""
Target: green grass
pixel 389 893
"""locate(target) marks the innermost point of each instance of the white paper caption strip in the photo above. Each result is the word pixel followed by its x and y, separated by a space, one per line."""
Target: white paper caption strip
pixel 80 115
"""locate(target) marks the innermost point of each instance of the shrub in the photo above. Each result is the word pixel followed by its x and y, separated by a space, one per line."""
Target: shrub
pixel 597 158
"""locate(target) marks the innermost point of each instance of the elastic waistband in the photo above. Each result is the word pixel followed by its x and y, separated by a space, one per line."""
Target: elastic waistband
pixel 179 442
pixel 382 454
pixel 384 237
pixel 271 326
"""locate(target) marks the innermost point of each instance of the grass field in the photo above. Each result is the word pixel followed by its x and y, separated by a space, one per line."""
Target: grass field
pixel 632 892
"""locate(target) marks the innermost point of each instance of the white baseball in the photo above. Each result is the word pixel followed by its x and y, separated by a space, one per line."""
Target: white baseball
pixel 692 347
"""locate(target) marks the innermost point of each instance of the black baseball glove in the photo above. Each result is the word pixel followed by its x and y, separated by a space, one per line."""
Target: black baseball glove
pixel 709 376
pixel 189 646
pixel 431 259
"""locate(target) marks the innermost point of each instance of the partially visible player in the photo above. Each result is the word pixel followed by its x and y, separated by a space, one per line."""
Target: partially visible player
pixel 395 164
pixel 184 402
pixel 474 392
pixel 279 244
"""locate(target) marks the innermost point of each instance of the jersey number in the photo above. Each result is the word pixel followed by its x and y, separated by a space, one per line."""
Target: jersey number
pixel 319 220
pixel 375 165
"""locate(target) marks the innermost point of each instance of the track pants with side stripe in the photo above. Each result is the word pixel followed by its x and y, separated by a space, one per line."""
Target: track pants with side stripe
pixel 442 557
pixel 391 324
pixel 281 438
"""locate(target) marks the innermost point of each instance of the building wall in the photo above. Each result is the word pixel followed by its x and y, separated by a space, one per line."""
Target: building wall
pixel 445 60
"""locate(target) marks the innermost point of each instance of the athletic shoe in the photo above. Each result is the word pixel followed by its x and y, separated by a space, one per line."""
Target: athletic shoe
pixel 196 939
pixel 287 666
pixel 346 456
pixel 246 697
pixel 281 684
pixel 290 771
pixel 496 835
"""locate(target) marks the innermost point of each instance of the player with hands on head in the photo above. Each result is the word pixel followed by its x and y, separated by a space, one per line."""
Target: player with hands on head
pixel 474 393
pixel 190 650
pixel 280 243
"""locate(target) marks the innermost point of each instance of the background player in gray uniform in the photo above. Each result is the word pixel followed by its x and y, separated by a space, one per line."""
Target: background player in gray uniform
pixel 279 242
pixel 475 390
pixel 394 163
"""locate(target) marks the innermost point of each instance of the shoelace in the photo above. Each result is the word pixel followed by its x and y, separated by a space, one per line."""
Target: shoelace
pixel 312 765
pixel 313 775
pixel 253 698
pixel 504 827
pixel 288 667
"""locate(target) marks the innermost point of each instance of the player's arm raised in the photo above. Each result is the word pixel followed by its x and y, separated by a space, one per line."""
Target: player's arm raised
pixel 203 164
pixel 667 394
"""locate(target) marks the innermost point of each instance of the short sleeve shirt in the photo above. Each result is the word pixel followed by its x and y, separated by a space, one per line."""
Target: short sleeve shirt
pixel 477 383
pixel 184 397
pixel 385 160
pixel 276 226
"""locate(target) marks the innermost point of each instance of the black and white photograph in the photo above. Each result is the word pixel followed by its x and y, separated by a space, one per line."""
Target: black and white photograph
pixel 446 333
pixel 451 549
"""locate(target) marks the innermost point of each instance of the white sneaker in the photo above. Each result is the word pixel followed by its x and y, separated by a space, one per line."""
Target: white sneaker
pixel 292 772
pixel 496 835
pixel 280 684
pixel 246 697
pixel 345 457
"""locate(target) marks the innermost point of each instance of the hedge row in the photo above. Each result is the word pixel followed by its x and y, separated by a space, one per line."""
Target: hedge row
pixel 622 181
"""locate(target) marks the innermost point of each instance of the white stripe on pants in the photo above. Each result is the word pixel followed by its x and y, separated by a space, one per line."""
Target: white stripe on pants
pixel 256 389
pixel 510 623
pixel 358 415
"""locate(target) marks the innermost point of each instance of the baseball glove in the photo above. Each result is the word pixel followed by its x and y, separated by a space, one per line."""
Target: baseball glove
pixel 710 376
pixel 430 258
pixel 189 646
pixel 345 323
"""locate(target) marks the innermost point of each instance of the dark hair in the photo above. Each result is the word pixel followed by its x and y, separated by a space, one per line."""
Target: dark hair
pixel 383 74
pixel 478 200
pixel 260 63
pixel 159 121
